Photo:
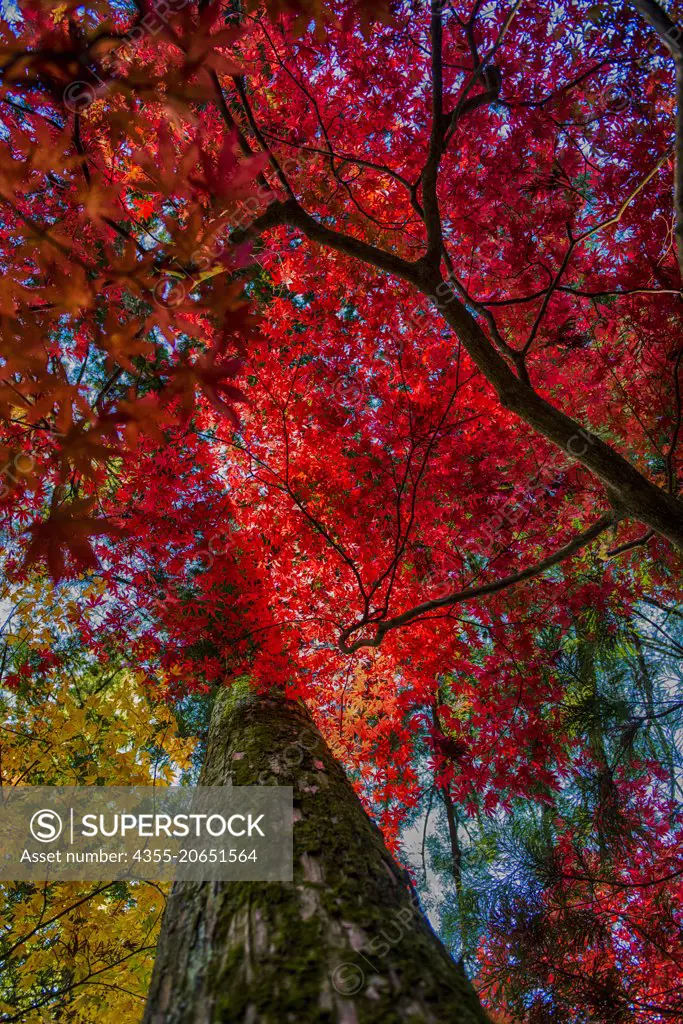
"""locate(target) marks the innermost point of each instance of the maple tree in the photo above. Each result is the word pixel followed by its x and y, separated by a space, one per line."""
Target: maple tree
pixel 342 343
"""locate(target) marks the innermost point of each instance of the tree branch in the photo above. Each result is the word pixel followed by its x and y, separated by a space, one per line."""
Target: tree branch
pixel 629 491
pixel 290 212
pixel 242 92
pixel 430 172
pixel 471 593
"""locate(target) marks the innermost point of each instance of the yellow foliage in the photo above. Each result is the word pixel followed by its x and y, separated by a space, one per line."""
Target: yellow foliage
pixel 81 952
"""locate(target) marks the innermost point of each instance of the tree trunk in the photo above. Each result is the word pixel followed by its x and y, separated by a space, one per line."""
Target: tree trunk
pixel 344 942
pixel 456 866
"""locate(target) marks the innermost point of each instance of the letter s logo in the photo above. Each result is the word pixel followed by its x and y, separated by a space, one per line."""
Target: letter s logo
pixel 46 826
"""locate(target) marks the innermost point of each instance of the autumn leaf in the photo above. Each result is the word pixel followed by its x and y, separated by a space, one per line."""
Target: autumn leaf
pixel 85 445
pixel 208 376
pixel 65 537
pixel 140 416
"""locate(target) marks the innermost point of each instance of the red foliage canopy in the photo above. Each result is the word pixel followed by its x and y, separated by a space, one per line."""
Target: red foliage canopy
pixel 354 335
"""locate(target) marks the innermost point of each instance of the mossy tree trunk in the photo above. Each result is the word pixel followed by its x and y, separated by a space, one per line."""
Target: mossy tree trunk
pixel 345 942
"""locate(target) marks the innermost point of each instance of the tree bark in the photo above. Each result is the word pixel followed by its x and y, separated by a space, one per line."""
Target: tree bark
pixel 344 943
